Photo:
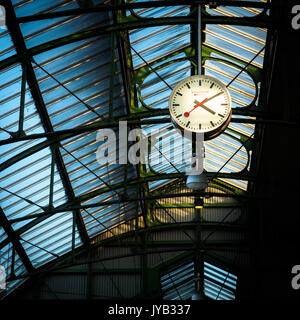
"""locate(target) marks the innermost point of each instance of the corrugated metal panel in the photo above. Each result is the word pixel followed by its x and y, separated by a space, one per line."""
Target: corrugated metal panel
pixel 210 214
pixel 29 179
pixel 39 32
pixel 50 238
pixel 114 260
pixel 155 259
pixel 33 7
pixel 227 235
pixel 133 261
pixel 223 215
pixel 104 218
pixel 65 287
pixel 84 69
pixel 172 73
pixel 231 11
pixel 125 226
pixel 6 44
pixel 235 256
pixel 90 61
pixel 10 96
pixel 170 11
pixel 117 286
pixel 180 235
pixel 179 284
pixel 240 42
pixel 155 42
pixel 170 215
pixel 217 289
pixel 3 236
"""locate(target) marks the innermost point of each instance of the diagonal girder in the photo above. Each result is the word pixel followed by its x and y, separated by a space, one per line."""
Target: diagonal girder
pixel 21 49
pixel 14 238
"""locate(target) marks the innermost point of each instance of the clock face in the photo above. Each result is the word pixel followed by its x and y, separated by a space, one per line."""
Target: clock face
pixel 201 104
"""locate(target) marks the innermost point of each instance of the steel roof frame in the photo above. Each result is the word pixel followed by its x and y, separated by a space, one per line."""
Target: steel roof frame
pixel 20 46
pixel 25 55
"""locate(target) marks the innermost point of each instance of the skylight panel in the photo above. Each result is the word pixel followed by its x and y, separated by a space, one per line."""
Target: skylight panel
pixel 179 283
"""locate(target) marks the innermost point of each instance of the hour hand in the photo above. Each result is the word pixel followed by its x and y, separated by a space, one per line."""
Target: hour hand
pixel 205 107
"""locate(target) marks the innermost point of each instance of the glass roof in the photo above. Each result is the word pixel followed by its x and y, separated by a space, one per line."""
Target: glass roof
pixel 75 77
pixel 179 283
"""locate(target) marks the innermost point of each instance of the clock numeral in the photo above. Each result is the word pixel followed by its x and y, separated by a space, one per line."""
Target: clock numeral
pixel 188 86
pixel 212 85
pixel 224 104
pixel 212 123
pixel 199 126
pixel 175 104
pixel 221 115
pixel 199 82
pixel 188 124
pixel 179 93
pixel 179 115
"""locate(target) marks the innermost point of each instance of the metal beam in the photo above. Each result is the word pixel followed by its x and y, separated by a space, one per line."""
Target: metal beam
pixel 97 271
pixel 13 237
pixel 58 264
pixel 263 22
pixel 139 5
pixel 20 46
pixel 71 206
pixel 75 205
pixel 135 119
pixel 60 135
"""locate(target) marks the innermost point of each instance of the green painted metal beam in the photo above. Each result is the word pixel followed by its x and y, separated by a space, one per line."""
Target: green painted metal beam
pixel 130 25
pixel 75 205
pixel 191 205
pixel 64 261
pixel 88 8
pixel 114 241
pixel 188 243
pixel 74 271
pixel 33 85
pixel 135 119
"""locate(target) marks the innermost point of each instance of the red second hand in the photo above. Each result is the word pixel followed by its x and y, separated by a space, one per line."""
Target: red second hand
pixel 187 114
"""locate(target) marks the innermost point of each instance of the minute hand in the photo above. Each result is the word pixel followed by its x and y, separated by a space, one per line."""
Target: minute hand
pixel 217 94
pixel 201 104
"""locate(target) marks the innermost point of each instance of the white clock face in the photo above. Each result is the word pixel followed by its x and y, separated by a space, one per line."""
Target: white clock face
pixel 200 104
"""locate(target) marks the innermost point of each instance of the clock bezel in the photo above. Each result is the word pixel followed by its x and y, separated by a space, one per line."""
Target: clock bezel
pixel 215 131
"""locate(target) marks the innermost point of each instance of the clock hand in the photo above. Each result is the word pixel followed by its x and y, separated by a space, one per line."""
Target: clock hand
pixel 186 114
pixel 217 94
pixel 207 99
pixel 205 107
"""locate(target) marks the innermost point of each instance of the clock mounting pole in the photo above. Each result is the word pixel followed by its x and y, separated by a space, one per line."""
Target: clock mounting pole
pixel 199 41
pixel 194 147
